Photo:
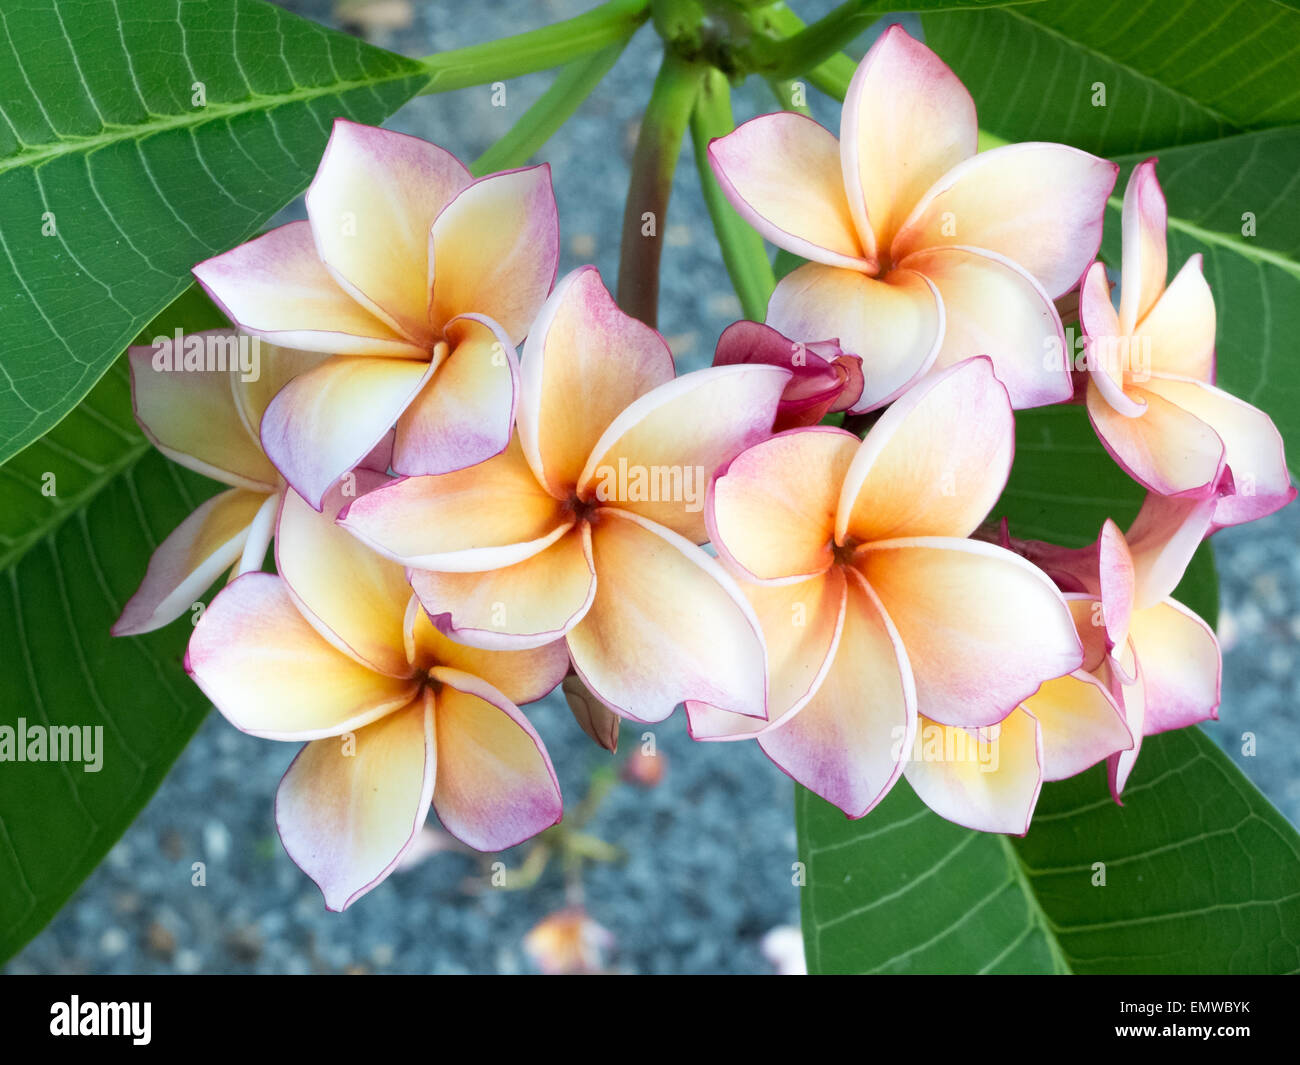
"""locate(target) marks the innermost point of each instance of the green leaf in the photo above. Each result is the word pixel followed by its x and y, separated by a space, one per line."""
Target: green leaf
pixel 1173 72
pixel 1201 873
pixel 68 562
pixel 113 183
pixel 1217 193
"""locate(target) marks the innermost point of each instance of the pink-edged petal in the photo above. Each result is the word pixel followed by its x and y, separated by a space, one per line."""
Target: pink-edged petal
pixel 1162 540
pixel 527 604
pixel 771 510
pixel 847 746
pixel 657 458
pixel 1167 450
pixel 192 418
pixel 371 205
pixel 802 624
pixel 894 324
pixel 584 362
pixel 1252 447
pixel 992 784
pixel 1181 667
pixel 195 554
pixel 1130 694
pixel 1117 581
pixel 907 120
pixel 781 172
pixel 496 786
pixel 983 628
pixel 271 674
pixel 1090 624
pixel 350 807
pixel 1110 351
pixel 464 414
pixel 522 676
pixel 994 307
pixel 494 250
pixel 935 462
pixel 1145 263
pixel 354 597
pixel 1177 335
pixel 276 286
pixel 1039 204
pixel 1081 724
pixel 324 422
pixel 489 516
pixel 278 366
pixel 667 624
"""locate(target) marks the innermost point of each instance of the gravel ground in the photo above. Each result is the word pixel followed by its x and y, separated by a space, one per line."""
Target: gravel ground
pixel 707 853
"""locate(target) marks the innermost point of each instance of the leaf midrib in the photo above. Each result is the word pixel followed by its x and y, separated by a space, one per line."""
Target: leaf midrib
pixel 36 156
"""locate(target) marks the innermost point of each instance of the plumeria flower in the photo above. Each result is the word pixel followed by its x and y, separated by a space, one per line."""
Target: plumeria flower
pixel 336 651
pixel 1151 393
pixel 881 618
pixel 206 420
pixel 1159 659
pixel 922 251
pixel 824 380
pixel 587 526
pixel 420 281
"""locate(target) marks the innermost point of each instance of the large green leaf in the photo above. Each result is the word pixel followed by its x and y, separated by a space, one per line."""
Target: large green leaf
pixel 1202 875
pixel 103 148
pixel 1174 71
pixel 68 562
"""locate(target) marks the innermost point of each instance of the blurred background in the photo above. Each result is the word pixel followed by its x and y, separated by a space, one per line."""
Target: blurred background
pixel 688 847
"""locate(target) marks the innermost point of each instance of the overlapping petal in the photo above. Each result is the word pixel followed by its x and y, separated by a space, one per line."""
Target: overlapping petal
pixel 850 740
pixel 667 624
pixel 496 786
pixel 907 120
pixel 1181 667
pixel 894 324
pixel 1039 204
pixel 277 286
pixel 1081 724
pixel 494 250
pixel 349 807
pixel 983 628
pixel 371 205
pixel 196 553
pixel 1144 265
pixel 324 422
pixel 782 173
pixel 584 362
pixel 657 457
pixel 771 510
pixel 994 307
pixel 271 674
pixel 935 462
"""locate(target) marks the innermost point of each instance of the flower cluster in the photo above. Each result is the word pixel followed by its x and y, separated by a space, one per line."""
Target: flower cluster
pixel 459 529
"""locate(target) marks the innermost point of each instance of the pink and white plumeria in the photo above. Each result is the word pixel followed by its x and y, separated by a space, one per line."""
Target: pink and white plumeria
pixel 336 651
pixel 1151 393
pixel 881 617
pixel 921 251
pixel 587 526
pixel 420 281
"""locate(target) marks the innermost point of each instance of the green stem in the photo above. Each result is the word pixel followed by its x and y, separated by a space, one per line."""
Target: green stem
pixel 658 145
pixel 572 85
pixel 539 49
pixel 832 73
pixel 743 251
pixel 808 47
